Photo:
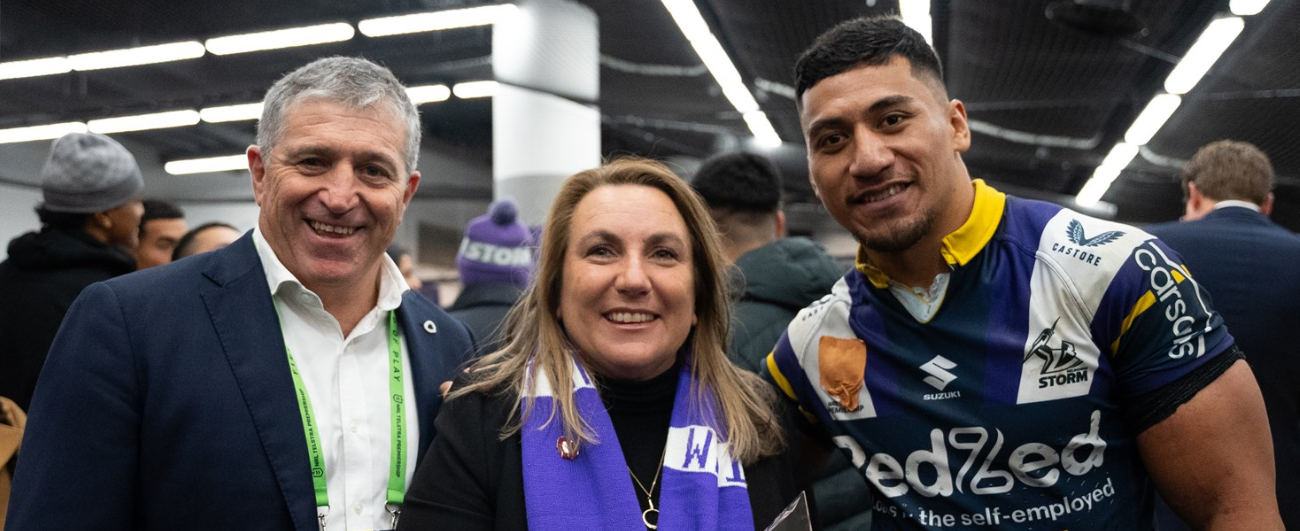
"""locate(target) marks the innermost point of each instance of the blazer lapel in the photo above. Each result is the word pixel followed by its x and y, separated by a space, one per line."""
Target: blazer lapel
pixel 426 364
pixel 242 312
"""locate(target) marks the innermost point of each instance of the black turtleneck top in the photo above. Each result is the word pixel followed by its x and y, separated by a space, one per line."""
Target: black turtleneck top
pixel 641 413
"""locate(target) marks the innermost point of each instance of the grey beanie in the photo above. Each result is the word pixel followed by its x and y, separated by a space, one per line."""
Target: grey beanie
pixel 87 173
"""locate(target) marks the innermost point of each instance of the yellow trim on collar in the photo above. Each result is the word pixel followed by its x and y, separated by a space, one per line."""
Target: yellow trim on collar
pixel 960 247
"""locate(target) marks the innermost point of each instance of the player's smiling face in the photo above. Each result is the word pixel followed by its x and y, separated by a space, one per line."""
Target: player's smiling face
pixel 884 153
pixel 333 191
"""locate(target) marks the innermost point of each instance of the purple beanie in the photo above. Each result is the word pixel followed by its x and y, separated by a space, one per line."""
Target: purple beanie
pixel 497 248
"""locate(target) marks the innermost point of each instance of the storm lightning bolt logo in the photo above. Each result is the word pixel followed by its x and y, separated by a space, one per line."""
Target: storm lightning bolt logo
pixel 1075 232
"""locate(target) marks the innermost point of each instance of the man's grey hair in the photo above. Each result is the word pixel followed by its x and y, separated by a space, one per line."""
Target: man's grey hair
pixel 354 82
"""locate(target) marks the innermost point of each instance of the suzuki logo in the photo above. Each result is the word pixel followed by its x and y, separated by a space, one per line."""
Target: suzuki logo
pixel 939 377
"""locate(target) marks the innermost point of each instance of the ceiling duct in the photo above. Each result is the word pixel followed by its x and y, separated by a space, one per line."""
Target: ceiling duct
pixel 1103 18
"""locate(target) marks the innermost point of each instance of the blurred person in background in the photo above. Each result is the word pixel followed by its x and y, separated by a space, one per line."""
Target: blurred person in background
pixel 406 264
pixel 775 277
pixel 495 262
pixel 209 236
pixel 161 227
pixel 90 224
pixel 1248 264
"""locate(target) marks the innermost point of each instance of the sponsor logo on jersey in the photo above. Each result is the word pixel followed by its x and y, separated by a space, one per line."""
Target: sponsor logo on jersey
pixel 978 460
pixel 1179 301
pixel 1075 232
pixel 939 377
pixel 1061 364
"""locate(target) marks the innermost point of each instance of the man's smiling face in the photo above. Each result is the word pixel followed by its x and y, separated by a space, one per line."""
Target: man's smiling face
pixel 333 191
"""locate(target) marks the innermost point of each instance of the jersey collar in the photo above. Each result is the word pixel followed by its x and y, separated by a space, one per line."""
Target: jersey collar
pixel 963 244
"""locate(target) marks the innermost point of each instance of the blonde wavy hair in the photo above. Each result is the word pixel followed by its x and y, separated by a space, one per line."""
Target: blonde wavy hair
pixel 536 339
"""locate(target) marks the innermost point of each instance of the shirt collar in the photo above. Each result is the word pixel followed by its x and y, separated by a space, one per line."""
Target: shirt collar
pixel 963 244
pixel 1236 203
pixel 278 277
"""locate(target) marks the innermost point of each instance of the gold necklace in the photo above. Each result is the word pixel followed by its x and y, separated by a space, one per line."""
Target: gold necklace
pixel 645 515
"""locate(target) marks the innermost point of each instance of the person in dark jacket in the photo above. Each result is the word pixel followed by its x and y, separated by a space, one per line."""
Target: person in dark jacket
pixel 495 262
pixel 776 276
pixel 1246 262
pixel 90 225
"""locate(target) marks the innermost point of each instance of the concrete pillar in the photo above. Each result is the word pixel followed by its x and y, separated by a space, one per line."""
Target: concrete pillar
pixel 545 122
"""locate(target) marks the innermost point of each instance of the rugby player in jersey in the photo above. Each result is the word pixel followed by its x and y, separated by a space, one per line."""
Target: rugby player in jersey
pixel 994 362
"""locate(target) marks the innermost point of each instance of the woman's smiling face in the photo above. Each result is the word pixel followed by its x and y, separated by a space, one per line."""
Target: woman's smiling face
pixel 627 294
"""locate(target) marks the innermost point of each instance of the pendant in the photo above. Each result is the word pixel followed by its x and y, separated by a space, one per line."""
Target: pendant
pixel 568 449
pixel 645 517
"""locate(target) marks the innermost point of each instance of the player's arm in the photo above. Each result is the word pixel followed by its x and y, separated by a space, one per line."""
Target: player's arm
pixel 1212 459
pixel 1189 396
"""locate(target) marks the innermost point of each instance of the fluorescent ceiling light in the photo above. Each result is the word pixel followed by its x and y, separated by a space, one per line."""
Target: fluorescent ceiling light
pixel 207 165
pixel 1245 8
pixel 916 15
pixel 1092 192
pixel 475 89
pixel 142 122
pixel 1208 47
pixel 1119 156
pixel 143 55
pixel 428 93
pixel 711 53
pixel 706 45
pixel 1105 174
pixel 762 129
pixel 285 38
pixel 35 67
pixel 1151 119
pixel 438 20
pixel 40 132
pixel 232 113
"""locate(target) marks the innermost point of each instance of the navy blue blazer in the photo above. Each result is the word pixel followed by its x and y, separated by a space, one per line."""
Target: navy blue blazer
pixel 1249 266
pixel 166 403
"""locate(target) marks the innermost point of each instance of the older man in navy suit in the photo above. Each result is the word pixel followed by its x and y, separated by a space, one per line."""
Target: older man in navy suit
pixel 1248 263
pixel 265 385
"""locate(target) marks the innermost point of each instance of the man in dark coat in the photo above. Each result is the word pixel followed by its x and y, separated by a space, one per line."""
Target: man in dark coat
pixel 495 262
pixel 90 222
pixel 287 381
pixel 775 276
pixel 1247 262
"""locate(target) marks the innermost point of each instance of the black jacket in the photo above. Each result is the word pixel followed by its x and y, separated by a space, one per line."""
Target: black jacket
pixel 1247 263
pixel 44 273
pixel 779 279
pixel 483 307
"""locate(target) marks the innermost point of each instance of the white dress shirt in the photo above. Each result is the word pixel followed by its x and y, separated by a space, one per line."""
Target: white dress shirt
pixel 347 381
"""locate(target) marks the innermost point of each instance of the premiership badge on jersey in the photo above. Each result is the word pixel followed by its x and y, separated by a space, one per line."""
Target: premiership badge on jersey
pixel 843 365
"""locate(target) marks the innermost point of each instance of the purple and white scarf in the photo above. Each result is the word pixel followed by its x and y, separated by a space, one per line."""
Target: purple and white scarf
pixel 703 487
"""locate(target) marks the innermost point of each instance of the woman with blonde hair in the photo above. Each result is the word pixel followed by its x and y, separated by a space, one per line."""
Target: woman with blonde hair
pixel 613 404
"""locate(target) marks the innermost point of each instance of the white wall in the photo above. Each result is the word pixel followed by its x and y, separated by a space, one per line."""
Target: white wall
pixel 16 213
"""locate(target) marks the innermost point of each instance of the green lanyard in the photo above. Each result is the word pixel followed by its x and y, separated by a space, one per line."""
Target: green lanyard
pixel 397 469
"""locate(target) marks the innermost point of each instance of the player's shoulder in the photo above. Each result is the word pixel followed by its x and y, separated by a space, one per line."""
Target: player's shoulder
pixel 828 316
